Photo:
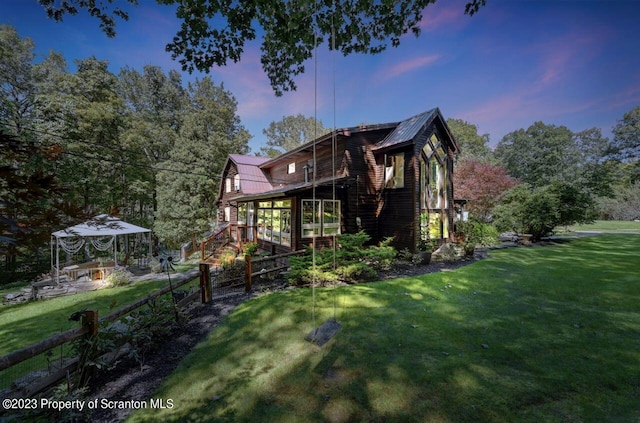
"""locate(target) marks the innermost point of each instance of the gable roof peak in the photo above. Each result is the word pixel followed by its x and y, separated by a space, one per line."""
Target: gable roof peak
pixel 248 160
pixel 408 129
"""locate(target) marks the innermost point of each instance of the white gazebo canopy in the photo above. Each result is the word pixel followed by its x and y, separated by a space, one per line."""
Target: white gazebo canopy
pixel 101 232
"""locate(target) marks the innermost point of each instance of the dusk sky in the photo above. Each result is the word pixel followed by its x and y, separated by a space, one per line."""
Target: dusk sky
pixel 572 63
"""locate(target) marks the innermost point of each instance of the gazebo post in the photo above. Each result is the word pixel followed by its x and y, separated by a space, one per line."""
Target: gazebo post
pixel 57 261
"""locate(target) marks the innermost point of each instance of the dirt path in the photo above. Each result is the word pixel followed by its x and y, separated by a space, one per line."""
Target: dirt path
pixel 130 381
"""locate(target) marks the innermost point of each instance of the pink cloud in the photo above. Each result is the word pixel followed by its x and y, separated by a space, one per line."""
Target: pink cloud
pixel 443 15
pixel 564 57
pixel 393 71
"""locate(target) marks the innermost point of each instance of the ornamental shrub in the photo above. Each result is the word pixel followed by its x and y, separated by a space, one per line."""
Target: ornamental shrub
pixel 354 261
pixel 118 277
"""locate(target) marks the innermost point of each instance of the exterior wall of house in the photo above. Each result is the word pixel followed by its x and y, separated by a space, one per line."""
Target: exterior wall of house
pixel 366 203
pixel 325 156
pixel 397 214
pixel 224 202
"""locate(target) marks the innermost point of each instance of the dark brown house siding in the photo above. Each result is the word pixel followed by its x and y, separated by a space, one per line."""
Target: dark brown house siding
pixel 350 167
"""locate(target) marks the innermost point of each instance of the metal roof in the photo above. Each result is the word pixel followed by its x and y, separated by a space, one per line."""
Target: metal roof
pixel 288 189
pixel 408 129
pixel 252 178
pixel 248 160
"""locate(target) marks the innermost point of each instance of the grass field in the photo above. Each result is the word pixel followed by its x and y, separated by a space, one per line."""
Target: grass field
pixel 27 323
pixel 531 334
pixel 609 226
pixel 24 324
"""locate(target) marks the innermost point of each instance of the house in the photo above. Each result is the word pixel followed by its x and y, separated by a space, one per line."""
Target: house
pixel 389 180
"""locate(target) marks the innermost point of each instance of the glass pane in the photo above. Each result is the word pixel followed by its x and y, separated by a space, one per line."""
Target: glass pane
pixel 331 217
pixel 264 204
pixel 434 226
pixel 424 188
pixel 308 210
pixel 434 197
pixel 268 219
pixel 242 213
pixel 310 224
pixel 428 149
pixel 285 227
pixel 394 171
pixel 275 233
pixel 262 225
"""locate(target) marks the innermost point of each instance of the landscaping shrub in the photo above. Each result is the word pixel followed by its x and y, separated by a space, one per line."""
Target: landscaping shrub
pixel 232 272
pixel 118 277
pixel 484 234
pixel 251 248
pixel 356 272
pixel 227 258
pixel 354 261
pixel 537 211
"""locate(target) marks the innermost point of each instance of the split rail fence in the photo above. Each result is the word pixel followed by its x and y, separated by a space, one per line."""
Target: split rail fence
pixel 29 371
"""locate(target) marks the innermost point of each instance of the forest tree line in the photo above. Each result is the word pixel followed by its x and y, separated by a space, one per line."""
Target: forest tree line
pixel 148 147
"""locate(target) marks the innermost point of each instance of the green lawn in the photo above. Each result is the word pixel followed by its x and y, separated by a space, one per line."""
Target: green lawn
pixel 24 324
pixel 609 226
pixel 530 334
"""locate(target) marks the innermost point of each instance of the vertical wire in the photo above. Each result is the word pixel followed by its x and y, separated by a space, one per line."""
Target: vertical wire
pixel 333 156
pixel 313 185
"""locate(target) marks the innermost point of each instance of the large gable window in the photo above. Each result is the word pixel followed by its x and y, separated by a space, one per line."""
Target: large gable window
pixel 433 183
pixel 236 182
pixel 394 171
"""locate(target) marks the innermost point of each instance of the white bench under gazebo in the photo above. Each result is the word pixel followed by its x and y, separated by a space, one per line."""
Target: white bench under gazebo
pixel 101 233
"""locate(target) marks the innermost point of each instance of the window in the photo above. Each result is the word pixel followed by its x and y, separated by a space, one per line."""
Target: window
pixel 274 221
pixel 394 171
pixel 330 217
pixel 291 168
pixel 320 217
pixel 227 185
pixel 434 175
pixel 242 213
pixel 227 214
pixel 310 218
pixel 236 182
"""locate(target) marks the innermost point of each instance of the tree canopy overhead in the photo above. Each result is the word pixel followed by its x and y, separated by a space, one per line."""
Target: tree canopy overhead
pixel 213 33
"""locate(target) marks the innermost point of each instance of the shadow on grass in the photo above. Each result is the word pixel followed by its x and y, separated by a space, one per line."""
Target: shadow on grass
pixel 531 334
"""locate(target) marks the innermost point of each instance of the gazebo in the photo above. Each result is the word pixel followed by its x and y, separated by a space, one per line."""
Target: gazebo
pixel 102 233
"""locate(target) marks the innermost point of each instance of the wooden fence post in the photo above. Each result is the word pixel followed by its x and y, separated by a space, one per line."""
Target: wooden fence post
pixel 89 319
pixel 247 277
pixel 205 283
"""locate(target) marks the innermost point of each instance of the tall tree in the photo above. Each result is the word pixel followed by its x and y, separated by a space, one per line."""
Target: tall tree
pixel 289 133
pixel 32 198
pixel 187 181
pixel 214 33
pixel 89 116
pixel 541 154
pixel 17 87
pixel 594 171
pixel 626 137
pixel 155 104
pixel 472 145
